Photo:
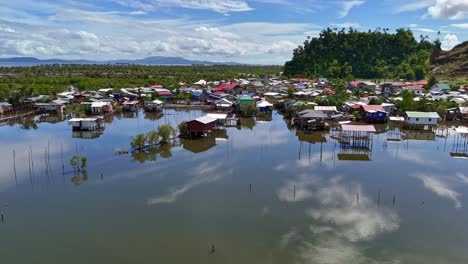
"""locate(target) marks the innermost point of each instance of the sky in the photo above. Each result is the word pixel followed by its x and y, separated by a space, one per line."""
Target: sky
pixel 245 31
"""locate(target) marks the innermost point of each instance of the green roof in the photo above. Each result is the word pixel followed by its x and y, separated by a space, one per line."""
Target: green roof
pixel 443 86
pixel 246 98
pixel 413 114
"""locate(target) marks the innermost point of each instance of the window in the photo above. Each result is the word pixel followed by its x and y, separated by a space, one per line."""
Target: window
pixel 409 118
pixel 417 119
pixel 430 119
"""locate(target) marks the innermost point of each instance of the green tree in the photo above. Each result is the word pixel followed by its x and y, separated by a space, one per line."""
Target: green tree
pixel 152 137
pixel 138 141
pixel 165 131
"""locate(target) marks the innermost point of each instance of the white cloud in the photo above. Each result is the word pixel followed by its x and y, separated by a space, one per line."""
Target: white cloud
pixel 450 41
pixel 7 29
pixel 462 26
pixel 414 6
pixel 138 13
pixel 346 25
pixel 347 6
pixel 449 9
pixel 213 5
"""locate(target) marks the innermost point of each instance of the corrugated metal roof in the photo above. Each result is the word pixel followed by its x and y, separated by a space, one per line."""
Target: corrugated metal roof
pixel 325 108
pixel 206 119
pixel 414 114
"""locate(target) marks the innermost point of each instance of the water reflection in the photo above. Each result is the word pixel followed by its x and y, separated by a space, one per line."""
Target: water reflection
pixel 164 151
pixel 203 144
pixel 186 195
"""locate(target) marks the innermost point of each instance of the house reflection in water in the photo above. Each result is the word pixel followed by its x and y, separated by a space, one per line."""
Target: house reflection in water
pixel 248 123
pixel 418 135
pixel 203 144
pixel 355 142
pixel 87 134
pixel 460 143
pixel 52 118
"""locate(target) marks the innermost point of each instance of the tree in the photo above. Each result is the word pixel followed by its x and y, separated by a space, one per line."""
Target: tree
pixel 249 110
pixel 183 129
pixel 138 141
pixel 165 131
pixel 75 162
pixel 152 137
pixel 431 82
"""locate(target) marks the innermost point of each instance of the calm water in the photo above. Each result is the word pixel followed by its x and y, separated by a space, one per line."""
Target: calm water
pixel 260 194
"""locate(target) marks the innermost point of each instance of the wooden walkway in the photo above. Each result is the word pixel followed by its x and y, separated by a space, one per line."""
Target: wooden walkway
pixel 176 106
pixel 5 119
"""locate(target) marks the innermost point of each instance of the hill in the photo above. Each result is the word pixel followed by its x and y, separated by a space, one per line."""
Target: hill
pixel 155 60
pixel 352 54
pixel 452 63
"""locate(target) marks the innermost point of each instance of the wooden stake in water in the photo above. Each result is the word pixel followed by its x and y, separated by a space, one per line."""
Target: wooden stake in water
pixel 32 162
pixel 250 187
pixel 294 191
pixel 14 166
pixel 357 198
pixel 394 200
pixel 212 249
pixel 378 201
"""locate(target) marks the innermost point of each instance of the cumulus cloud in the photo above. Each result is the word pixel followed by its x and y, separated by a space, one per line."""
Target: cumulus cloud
pixel 449 9
pixel 450 41
pixel 347 6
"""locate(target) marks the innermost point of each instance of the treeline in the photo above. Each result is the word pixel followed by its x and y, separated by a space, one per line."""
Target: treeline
pixel 17 82
pixel 369 55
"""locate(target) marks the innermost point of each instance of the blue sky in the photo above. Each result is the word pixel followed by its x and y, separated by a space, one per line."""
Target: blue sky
pixel 250 31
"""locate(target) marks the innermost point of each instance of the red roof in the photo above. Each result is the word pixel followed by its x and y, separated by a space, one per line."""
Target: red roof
pixel 372 108
pixel 156 86
pixel 356 106
pixel 360 128
pixel 354 83
pixel 183 87
pixel 164 93
pixel 226 86
pixel 298 80
pixel 329 91
pixel 422 82
pixel 414 87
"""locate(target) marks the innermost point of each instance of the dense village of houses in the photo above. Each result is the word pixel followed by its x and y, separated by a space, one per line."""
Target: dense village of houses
pixel 227 100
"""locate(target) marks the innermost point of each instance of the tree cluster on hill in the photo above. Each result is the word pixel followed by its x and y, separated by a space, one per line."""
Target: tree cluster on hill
pixel 370 55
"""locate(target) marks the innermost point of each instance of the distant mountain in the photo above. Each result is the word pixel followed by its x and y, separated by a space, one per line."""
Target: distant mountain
pixel 452 63
pixel 155 60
